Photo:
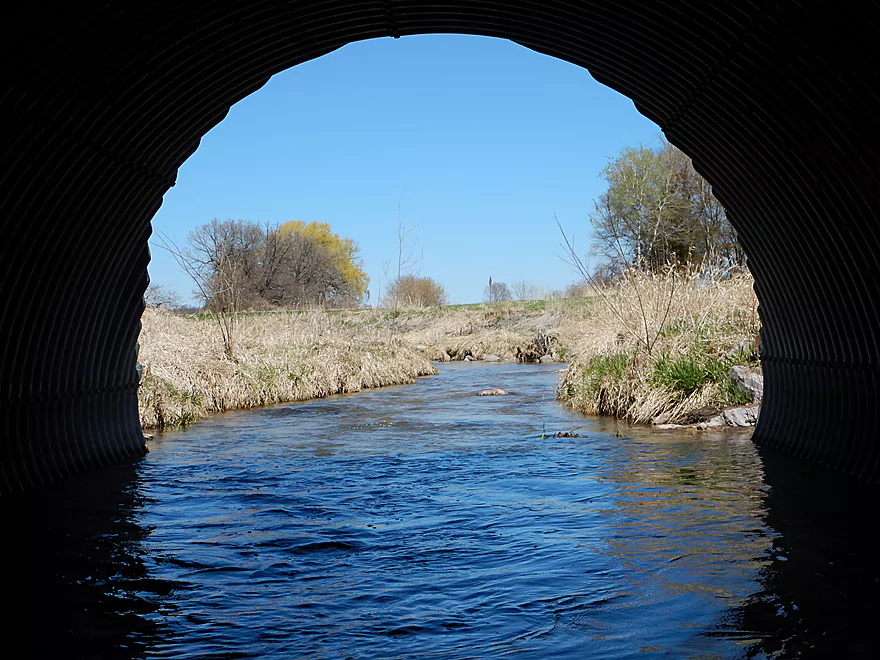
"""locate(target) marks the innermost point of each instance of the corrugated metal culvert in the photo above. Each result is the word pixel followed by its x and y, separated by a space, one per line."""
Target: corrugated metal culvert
pixel 101 103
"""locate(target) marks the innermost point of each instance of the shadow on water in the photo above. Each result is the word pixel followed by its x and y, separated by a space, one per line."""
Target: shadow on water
pixel 75 555
pixel 820 591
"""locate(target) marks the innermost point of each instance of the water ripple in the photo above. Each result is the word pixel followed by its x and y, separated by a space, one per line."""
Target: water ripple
pixel 427 522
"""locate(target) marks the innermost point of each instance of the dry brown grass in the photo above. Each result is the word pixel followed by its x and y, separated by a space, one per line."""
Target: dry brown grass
pixel 290 356
pixel 279 357
pixel 665 350
pixel 485 329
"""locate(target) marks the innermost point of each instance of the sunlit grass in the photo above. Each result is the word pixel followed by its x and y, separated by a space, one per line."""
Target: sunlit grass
pixel 295 355
pixel 710 326
pixel 278 358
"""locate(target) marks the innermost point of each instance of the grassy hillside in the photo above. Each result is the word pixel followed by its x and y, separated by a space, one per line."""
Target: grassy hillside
pixel 649 348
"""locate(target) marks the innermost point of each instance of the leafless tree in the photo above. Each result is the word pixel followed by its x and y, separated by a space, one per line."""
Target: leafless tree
pixel 497 292
pixel 215 286
pixel 524 290
pixel 226 256
pixel 161 297
pixel 406 259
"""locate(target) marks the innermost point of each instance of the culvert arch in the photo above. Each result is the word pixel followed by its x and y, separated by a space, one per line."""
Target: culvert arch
pixel 776 103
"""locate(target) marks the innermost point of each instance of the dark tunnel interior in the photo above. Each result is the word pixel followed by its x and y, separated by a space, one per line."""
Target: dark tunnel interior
pixel 777 103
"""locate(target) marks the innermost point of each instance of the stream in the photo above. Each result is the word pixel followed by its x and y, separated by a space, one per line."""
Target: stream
pixel 426 521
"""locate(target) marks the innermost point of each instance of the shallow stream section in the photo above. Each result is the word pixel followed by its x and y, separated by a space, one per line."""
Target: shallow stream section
pixel 426 521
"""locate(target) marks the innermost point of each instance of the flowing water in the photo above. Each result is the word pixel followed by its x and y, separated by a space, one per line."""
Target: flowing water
pixel 425 521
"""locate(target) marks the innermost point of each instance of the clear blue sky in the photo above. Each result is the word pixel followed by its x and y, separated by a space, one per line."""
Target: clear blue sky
pixel 481 141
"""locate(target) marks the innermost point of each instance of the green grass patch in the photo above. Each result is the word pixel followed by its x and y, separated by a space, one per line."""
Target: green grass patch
pixel 599 369
pixel 610 366
pixel 686 374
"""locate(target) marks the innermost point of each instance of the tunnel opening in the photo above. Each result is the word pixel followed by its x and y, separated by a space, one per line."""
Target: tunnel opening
pixel 101 107
pixel 474 144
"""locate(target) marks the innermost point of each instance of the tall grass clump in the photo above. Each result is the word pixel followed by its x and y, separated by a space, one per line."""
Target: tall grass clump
pixel 665 349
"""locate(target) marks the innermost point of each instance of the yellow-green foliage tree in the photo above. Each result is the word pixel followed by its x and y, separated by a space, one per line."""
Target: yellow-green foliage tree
pixel 342 252
pixel 240 265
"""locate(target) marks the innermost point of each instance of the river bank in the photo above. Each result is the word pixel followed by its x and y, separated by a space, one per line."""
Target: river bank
pixel 663 352
pixel 650 350
pixel 294 356
pixel 653 349
pixel 278 358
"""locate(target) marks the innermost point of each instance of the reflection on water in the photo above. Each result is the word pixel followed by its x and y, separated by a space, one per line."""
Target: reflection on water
pixel 424 521
pixel 819 593
pixel 76 584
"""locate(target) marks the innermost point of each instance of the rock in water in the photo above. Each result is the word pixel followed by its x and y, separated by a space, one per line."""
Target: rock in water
pixel 495 392
pixel 741 416
pixel 491 358
pixel 744 416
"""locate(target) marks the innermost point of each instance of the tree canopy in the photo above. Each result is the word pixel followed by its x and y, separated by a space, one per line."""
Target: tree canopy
pixel 657 211
pixel 341 253
pixel 241 265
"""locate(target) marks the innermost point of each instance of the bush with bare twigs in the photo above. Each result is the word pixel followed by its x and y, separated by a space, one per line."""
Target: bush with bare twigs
pixel 414 291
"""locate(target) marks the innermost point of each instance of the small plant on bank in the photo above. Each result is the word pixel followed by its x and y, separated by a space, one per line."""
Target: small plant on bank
pixel 686 374
pixel 682 376
pixel 602 367
pixel 600 385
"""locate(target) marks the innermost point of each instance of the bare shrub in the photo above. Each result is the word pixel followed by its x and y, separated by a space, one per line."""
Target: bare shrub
pixel 523 290
pixel 414 291
pixel 161 297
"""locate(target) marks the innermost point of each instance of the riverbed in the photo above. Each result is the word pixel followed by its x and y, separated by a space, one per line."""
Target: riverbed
pixel 426 521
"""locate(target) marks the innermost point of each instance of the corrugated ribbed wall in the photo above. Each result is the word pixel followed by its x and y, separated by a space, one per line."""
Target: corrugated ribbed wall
pixel 777 103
